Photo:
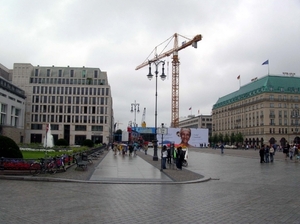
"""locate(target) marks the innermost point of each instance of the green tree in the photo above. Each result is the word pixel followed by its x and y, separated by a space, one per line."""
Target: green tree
pixel 215 138
pixel 62 142
pixel 226 138
pixel 239 138
pixel 8 148
pixel 88 143
pixel 221 137
pixel 232 138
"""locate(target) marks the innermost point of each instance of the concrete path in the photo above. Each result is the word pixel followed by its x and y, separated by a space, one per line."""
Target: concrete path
pixel 126 168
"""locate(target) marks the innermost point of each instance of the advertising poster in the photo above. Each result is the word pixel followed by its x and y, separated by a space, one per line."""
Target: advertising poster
pixel 188 137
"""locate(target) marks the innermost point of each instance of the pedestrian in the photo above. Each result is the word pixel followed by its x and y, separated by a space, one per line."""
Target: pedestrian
pixel 262 154
pixel 146 149
pixel 130 149
pixel 291 151
pixel 286 150
pixel 179 158
pixel 272 152
pixel 222 148
pixel 115 148
pixel 164 157
pixel 267 153
pixel 296 153
pixel 135 149
pixel 169 155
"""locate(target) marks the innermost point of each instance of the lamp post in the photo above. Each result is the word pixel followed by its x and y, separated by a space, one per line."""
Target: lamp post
pixel 135 105
pixel 296 116
pixel 163 77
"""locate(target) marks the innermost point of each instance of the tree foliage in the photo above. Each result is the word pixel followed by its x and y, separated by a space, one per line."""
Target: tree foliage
pixel 8 148
pixel 62 142
pixel 88 143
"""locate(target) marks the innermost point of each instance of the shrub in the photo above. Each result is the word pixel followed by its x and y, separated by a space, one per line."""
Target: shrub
pixel 9 149
pixel 62 142
pixel 88 142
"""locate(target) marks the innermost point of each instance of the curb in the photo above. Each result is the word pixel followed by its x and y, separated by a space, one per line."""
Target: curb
pixel 49 179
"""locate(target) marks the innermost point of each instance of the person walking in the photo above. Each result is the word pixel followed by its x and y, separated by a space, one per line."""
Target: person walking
pixel 296 154
pixel 164 157
pixel 222 148
pixel 291 151
pixel 286 150
pixel 262 154
pixel 267 154
pixel 179 158
pixel 272 152
pixel 169 155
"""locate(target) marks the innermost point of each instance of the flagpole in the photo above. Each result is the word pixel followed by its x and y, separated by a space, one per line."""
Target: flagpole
pixel 268 67
pixel 240 81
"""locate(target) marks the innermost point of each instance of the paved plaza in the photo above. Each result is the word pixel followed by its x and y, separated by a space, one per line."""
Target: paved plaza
pixel 238 189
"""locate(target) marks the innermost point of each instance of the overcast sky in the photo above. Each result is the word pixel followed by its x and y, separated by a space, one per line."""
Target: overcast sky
pixel 117 36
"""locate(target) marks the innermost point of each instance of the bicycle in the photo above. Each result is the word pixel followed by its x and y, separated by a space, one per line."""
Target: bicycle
pixel 43 167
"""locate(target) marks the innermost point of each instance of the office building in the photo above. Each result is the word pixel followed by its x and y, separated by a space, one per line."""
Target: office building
pixel 75 101
pixel 200 121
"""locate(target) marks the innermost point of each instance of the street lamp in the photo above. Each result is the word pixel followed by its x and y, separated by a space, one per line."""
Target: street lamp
pixel 296 116
pixel 135 105
pixel 163 77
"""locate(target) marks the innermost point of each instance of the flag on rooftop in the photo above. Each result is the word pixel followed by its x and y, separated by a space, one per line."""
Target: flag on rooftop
pixel 238 77
pixel 265 63
pixel 190 108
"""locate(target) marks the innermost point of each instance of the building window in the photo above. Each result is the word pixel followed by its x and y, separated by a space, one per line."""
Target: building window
pixel 80 127
pixel 72 73
pixel 36 72
pixel 95 74
pixel 83 73
pixel 48 72
pixel 59 73
pixel 97 128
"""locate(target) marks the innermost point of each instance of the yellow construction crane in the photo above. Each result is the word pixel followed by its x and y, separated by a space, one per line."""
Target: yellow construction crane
pixel 175 69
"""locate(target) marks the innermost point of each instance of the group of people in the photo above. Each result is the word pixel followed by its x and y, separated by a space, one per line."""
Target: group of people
pixel 291 151
pixel 179 156
pixel 123 149
pixel 267 152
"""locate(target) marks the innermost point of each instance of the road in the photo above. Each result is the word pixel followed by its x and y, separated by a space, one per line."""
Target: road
pixel 241 191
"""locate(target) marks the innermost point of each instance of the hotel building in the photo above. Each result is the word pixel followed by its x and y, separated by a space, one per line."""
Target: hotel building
pixel 264 111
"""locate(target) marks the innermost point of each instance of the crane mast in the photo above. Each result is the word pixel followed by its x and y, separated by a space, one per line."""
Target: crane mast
pixel 175 72
pixel 143 123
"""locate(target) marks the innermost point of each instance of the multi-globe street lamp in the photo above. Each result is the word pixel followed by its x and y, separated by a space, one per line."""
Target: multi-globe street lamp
pixel 296 116
pixel 136 107
pixel 163 77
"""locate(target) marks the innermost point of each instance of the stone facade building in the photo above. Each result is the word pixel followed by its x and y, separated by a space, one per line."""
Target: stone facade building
pixel 265 111
pixel 75 101
pixel 12 107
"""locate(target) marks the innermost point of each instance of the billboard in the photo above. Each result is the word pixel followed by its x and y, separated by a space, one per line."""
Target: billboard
pixel 190 137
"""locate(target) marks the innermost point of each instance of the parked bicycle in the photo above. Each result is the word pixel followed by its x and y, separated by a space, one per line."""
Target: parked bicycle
pixel 43 166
